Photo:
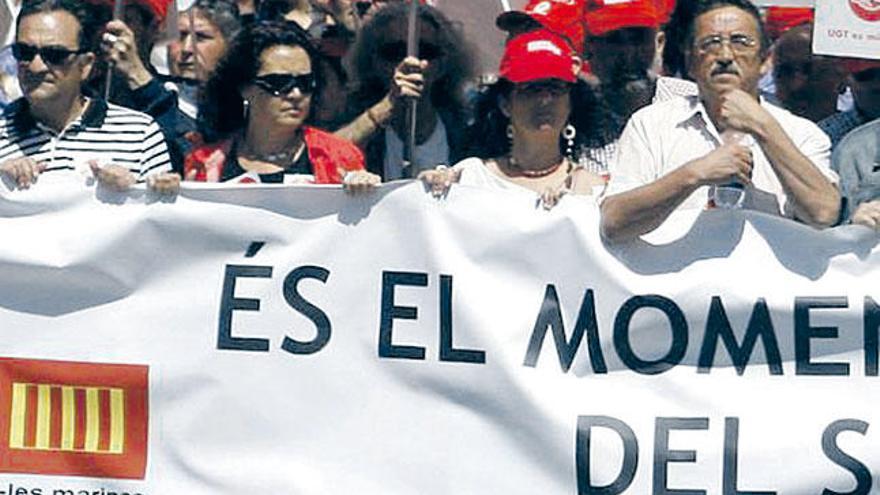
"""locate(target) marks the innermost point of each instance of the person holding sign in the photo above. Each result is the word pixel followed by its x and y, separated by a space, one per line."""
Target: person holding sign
pixel 254 112
pixel 529 134
pixel 54 128
pixel 726 137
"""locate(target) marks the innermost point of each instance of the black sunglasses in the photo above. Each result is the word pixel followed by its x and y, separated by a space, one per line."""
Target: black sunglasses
pixel 395 51
pixel 52 55
pixel 282 84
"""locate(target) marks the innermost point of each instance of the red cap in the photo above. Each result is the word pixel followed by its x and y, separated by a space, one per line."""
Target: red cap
pixel 563 17
pixel 159 8
pixel 537 55
pixel 604 16
pixel 664 10
pixel 780 19
pixel 856 65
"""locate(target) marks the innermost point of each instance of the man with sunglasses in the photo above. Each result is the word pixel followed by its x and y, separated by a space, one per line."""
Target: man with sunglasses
pixel 864 81
pixel 724 147
pixel 54 128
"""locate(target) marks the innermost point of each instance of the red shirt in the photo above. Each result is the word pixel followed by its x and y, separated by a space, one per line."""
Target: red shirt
pixel 331 157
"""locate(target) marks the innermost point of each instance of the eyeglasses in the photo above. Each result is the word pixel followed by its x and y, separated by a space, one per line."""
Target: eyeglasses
pixel 283 84
pixel 395 51
pixel 739 44
pixel 52 55
pixel 867 75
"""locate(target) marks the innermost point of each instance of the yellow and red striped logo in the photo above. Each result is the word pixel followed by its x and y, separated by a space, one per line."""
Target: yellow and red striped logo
pixel 79 419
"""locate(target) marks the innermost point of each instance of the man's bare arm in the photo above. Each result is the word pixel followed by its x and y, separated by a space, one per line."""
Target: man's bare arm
pixel 632 213
pixel 815 199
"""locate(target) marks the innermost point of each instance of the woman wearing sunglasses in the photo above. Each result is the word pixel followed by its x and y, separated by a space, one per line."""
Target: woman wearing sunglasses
pixel 254 111
pixel 526 126
pixel 385 78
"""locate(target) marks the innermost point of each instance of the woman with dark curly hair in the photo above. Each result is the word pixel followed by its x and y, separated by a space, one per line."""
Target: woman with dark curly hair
pixel 526 126
pixel 384 78
pixel 254 111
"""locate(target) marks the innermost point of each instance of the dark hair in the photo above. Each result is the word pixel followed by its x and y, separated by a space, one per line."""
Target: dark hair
pixel 700 7
pixel 221 109
pixel 674 63
pixel 80 9
pixel 370 85
pixel 271 10
pixel 488 134
pixel 221 13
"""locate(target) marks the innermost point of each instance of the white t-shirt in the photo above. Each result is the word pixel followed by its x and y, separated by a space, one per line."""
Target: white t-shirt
pixel 664 136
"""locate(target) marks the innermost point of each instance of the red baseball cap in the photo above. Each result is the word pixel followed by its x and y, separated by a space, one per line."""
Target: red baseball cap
pixel 780 19
pixel 563 17
pixel 856 65
pixel 664 10
pixel 604 16
pixel 537 55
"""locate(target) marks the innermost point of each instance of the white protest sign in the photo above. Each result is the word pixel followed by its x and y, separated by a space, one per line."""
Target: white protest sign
pixel 290 340
pixel 847 28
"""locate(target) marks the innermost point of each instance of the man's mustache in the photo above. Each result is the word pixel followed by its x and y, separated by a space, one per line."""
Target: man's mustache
pixel 724 69
pixel 30 78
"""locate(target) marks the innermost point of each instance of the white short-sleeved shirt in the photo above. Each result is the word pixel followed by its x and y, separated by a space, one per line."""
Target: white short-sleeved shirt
pixel 664 136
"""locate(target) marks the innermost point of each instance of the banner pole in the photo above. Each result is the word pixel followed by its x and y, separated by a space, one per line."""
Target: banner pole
pixel 412 50
pixel 108 78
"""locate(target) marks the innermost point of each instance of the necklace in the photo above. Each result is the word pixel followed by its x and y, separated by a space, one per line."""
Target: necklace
pixel 534 174
pixel 286 157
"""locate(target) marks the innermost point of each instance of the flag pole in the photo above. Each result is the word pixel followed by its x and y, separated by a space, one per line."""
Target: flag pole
pixel 412 50
pixel 108 78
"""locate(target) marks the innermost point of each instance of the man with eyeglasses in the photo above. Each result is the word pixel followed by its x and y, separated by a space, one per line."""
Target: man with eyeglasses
pixel 753 155
pixel 54 128
pixel 864 81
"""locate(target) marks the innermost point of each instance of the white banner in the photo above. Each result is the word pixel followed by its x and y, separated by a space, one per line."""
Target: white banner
pixel 287 340
pixel 847 28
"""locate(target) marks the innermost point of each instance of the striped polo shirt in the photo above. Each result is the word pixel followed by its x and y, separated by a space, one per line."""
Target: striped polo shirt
pixel 104 133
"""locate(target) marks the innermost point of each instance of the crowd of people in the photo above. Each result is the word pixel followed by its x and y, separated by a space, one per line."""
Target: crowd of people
pixel 648 106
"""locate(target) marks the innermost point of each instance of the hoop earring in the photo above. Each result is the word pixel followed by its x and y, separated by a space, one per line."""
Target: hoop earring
pixel 569 133
pixel 510 132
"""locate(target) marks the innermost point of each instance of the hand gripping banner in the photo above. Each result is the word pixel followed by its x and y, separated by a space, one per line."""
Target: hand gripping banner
pixel 291 340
